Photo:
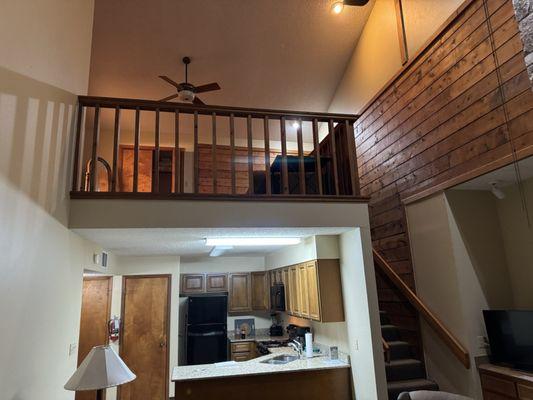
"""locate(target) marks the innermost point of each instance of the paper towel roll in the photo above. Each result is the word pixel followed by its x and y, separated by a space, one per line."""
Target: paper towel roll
pixel 309 345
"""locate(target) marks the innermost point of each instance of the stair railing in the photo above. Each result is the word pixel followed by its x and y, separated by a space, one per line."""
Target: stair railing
pixel 386 350
pixel 433 321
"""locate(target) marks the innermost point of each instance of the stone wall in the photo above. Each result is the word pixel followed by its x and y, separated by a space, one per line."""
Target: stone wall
pixel 524 16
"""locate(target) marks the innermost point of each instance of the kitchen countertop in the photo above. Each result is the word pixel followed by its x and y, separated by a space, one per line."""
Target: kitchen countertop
pixel 255 367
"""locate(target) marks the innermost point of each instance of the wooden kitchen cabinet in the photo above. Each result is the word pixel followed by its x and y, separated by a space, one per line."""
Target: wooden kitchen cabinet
pixel 314 290
pixel 192 283
pixel 242 351
pixel 293 291
pixel 216 282
pixel 260 291
pixel 303 290
pixel 285 280
pixel 240 292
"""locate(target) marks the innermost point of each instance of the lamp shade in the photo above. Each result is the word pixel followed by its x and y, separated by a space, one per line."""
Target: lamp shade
pixel 102 368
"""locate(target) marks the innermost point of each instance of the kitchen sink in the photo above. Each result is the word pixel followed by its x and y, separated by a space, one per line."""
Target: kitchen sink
pixel 281 359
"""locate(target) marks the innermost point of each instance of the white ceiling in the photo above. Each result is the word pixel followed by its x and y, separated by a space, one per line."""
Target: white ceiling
pixel 190 242
pixel 286 54
pixel 504 176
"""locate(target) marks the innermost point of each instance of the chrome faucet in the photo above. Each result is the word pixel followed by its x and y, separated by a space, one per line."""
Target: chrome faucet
pixel 297 346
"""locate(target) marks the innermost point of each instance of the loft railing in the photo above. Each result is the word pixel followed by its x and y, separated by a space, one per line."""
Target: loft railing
pixel 174 150
pixel 460 352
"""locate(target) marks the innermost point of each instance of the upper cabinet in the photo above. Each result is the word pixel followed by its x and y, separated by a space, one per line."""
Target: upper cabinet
pixel 314 290
pixel 240 292
pixel 260 291
pixel 216 282
pixel 192 283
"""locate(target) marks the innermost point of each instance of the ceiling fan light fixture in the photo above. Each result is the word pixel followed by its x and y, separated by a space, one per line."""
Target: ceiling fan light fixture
pixel 187 95
pixel 337 7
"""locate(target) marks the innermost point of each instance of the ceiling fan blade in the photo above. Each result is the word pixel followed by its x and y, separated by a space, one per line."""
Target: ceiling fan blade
pixel 170 97
pixel 198 101
pixel 355 2
pixel 168 80
pixel 207 88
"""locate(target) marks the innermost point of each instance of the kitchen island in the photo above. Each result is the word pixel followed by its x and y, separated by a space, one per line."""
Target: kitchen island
pixel 313 378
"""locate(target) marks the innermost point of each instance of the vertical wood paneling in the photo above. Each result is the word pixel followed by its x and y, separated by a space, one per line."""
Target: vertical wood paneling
pixel 452 110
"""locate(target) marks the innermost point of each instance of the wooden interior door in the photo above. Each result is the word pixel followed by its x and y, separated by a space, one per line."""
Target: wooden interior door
pixel 95 314
pixel 145 332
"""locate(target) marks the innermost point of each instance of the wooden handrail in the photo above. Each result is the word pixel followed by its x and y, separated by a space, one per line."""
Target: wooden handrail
pixel 386 349
pixel 433 321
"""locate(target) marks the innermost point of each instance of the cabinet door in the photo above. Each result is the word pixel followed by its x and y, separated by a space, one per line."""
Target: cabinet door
pixel 303 293
pixel 216 283
pixel 260 291
pixel 293 290
pixel 285 280
pixel 279 277
pixel 313 291
pixel 240 292
pixel 192 283
pixel 272 275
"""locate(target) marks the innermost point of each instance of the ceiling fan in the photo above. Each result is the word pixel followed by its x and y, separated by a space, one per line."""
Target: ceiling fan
pixel 187 91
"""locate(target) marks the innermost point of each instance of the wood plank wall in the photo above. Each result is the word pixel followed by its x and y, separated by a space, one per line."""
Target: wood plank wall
pixel 445 118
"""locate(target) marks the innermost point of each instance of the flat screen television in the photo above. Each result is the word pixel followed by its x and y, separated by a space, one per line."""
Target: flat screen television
pixel 510 335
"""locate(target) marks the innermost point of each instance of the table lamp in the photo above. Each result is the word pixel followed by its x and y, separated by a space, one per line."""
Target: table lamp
pixel 101 369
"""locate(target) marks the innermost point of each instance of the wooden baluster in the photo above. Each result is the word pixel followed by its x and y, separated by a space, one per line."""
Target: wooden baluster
pixel 196 154
pixel 352 158
pixel 284 169
pixel 76 165
pixel 250 156
pixel 301 162
pixel 155 182
pixel 94 153
pixel 318 166
pixel 232 151
pixel 214 152
pixel 268 190
pixel 136 150
pixel 334 155
pixel 177 153
pixel 116 141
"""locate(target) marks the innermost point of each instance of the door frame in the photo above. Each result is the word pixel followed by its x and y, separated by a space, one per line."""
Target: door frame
pixel 122 313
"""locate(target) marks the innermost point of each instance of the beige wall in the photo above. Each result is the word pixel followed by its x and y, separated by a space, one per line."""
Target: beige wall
pixel 518 243
pixel 43 45
pixel 48 40
pixel 460 270
pixel 376 57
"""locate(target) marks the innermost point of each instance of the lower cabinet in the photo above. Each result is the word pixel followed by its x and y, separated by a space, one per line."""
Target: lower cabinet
pixel 503 383
pixel 242 351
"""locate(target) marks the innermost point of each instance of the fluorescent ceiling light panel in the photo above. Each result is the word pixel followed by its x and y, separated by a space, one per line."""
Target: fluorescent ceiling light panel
pixel 251 241
pixel 219 250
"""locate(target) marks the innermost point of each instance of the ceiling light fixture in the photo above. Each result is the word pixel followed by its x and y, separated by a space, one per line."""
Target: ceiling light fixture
pixel 219 250
pixel 295 125
pixel 496 191
pixel 337 7
pixel 252 241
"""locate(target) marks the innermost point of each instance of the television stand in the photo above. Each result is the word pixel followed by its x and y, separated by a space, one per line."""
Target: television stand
pixel 500 382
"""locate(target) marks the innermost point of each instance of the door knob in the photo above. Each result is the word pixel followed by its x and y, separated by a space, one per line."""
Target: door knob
pixel 161 344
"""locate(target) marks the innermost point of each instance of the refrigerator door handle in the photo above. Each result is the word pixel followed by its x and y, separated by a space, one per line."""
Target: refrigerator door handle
pixel 216 333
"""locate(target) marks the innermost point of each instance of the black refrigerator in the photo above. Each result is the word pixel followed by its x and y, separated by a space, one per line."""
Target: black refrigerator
pixel 206 339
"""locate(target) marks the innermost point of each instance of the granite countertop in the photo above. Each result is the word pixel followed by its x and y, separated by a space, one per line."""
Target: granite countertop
pixel 255 367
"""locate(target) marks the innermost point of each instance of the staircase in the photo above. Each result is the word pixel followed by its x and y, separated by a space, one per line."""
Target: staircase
pixel 404 373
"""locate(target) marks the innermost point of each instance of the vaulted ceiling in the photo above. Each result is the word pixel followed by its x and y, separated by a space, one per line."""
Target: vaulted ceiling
pixel 287 54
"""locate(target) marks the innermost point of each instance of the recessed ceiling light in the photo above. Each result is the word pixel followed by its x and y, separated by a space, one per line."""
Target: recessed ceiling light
pixel 251 241
pixel 337 7
pixel 295 125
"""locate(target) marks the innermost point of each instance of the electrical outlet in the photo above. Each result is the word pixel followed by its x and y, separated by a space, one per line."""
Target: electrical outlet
pixel 72 348
pixel 356 345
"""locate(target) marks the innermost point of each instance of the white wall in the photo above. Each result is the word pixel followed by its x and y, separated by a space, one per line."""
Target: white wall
pixel 459 271
pixel 518 242
pixel 45 48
